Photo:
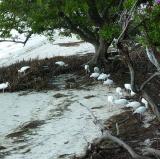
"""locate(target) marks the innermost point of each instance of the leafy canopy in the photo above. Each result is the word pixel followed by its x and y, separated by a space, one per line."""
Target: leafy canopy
pixel 150 25
pixel 90 19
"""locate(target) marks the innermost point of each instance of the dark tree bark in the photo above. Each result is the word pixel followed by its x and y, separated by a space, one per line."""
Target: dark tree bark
pixel 101 45
pixel 94 14
pixel 100 56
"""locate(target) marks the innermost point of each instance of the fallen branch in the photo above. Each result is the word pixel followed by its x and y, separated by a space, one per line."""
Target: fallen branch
pixel 107 135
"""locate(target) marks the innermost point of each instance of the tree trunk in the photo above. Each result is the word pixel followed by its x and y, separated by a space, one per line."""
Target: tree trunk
pixel 100 57
pixel 125 53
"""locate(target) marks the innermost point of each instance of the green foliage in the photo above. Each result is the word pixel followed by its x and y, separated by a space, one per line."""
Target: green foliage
pixel 128 4
pixel 44 16
pixel 110 31
pixel 151 27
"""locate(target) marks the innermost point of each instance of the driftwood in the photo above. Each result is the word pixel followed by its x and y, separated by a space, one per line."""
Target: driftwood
pixel 107 135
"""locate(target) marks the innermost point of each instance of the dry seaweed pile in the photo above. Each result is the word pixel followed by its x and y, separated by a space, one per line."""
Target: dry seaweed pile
pixel 42 72
pixel 131 131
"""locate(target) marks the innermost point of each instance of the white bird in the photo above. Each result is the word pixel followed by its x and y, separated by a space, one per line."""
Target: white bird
pixel 121 101
pixel 115 41
pixel 113 100
pixel 119 91
pixel 110 100
pixel 145 102
pixel 108 82
pixel 23 69
pixel 132 93
pixel 3 86
pixel 134 104
pixel 141 110
pixel 96 70
pixel 127 86
pixel 94 75
pixel 103 76
pixel 147 142
pixel 86 67
pixel 61 63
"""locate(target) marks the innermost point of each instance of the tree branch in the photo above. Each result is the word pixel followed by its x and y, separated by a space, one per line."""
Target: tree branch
pixel 149 79
pixel 18 41
pixel 75 29
pixel 120 3
pixel 86 30
pixel 28 37
pixel 152 103
pixel 89 33
pixel 127 21
pixel 94 14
